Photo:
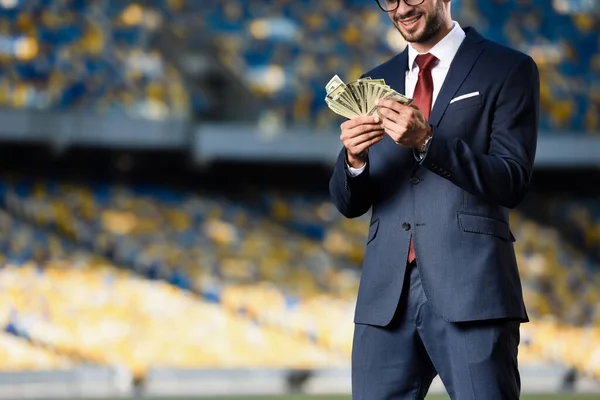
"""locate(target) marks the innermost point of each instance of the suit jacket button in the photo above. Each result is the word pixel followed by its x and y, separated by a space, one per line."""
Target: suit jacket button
pixel 406 226
pixel 415 180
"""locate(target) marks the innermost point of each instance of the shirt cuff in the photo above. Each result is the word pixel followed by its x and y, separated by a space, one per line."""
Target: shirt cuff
pixel 353 172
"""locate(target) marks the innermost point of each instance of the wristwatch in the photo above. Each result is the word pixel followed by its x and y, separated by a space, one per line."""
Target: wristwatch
pixel 426 144
pixel 420 154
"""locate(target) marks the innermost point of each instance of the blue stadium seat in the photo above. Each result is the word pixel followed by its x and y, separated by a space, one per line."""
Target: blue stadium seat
pixel 71 59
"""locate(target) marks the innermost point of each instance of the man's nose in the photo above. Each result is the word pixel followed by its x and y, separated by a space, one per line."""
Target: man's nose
pixel 402 9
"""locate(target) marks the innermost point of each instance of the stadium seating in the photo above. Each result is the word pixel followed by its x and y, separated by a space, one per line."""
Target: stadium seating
pixel 277 262
pixel 213 245
pixel 579 217
pixel 72 55
pixel 559 343
pixel 138 277
pixel 86 56
pixel 17 354
pixel 81 306
pixel 287 51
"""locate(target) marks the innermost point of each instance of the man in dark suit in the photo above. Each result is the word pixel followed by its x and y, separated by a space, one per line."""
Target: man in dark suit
pixel 440 291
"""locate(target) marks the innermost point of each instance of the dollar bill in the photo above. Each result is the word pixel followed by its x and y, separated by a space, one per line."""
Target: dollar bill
pixel 359 97
pixel 334 83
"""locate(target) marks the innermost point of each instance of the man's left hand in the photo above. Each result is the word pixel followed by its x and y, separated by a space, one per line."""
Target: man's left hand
pixel 406 125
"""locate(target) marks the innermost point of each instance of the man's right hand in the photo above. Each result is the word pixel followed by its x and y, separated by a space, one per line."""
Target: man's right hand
pixel 358 134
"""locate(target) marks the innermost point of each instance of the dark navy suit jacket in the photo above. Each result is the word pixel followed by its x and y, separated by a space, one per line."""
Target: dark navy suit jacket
pixel 455 202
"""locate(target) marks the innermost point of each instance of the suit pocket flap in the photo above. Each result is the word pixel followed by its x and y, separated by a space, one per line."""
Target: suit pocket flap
pixel 373 230
pixel 487 226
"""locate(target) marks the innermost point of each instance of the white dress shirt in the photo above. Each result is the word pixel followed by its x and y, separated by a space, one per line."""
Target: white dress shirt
pixel 444 51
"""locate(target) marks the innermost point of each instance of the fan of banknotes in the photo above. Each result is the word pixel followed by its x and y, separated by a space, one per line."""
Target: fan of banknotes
pixel 359 97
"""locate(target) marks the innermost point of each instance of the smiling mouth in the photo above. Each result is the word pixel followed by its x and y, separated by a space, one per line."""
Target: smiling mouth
pixel 408 23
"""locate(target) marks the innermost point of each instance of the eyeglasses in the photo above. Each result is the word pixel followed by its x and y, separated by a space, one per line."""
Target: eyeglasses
pixel 392 5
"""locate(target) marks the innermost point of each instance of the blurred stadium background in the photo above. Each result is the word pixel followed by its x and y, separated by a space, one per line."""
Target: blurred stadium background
pixel 165 228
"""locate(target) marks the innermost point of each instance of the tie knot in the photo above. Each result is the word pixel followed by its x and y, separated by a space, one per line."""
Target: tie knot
pixel 425 61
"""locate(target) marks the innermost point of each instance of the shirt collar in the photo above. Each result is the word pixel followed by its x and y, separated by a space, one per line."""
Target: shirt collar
pixel 444 50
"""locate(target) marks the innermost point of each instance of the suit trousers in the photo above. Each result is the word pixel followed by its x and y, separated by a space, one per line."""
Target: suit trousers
pixel 475 360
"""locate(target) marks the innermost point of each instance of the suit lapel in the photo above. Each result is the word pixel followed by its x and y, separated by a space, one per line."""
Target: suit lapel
pixel 396 77
pixel 461 66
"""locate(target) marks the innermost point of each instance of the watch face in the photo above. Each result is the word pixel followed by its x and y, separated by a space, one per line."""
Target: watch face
pixel 426 144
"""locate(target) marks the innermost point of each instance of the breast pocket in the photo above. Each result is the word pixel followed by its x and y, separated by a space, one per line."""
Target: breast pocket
pixel 463 115
pixel 465 101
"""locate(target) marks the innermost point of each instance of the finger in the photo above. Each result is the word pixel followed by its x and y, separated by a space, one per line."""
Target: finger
pixel 366 137
pixel 390 114
pixel 395 136
pixel 365 145
pixel 416 113
pixel 392 105
pixel 362 120
pixel 361 130
pixel 399 124
pixel 402 122
pixel 398 131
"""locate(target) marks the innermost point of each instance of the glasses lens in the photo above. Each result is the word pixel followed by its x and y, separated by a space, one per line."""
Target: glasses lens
pixel 388 5
pixel 414 2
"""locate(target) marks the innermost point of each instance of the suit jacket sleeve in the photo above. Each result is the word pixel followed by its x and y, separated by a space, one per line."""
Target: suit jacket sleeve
pixel 351 195
pixel 502 175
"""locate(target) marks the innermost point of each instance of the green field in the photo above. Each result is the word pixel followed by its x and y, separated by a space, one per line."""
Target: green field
pixel 565 396
pixel 539 397
pixel 531 397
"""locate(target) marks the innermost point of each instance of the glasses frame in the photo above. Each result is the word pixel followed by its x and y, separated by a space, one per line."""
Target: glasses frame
pixel 419 2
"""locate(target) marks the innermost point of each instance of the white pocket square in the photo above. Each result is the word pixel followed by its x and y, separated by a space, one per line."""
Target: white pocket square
pixel 464 96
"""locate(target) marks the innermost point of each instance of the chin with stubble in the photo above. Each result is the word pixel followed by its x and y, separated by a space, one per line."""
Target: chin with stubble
pixel 420 25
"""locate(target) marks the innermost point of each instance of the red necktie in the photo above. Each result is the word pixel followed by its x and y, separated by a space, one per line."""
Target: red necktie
pixel 423 98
